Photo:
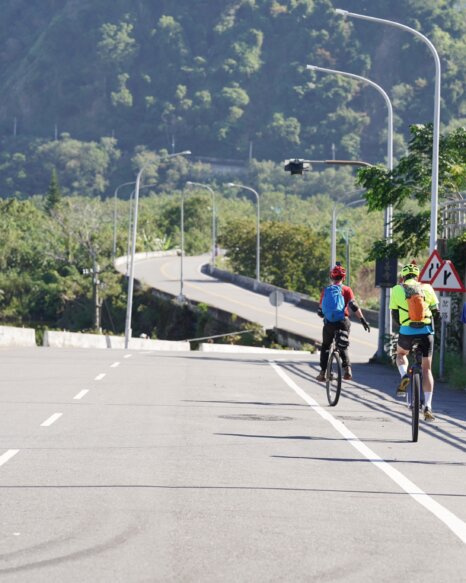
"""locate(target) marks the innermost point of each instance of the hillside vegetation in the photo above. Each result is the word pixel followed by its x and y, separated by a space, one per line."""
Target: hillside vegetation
pixel 221 77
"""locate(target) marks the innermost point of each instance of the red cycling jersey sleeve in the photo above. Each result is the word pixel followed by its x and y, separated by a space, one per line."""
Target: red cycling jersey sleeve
pixel 348 295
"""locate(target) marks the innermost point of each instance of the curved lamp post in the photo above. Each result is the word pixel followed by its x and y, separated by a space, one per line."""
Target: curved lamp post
pixel 385 324
pixel 258 218
pixel 436 124
pixel 388 210
pixel 129 305
pixel 207 187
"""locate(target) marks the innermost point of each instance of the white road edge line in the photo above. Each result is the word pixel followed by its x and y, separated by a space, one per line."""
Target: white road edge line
pixel 7 456
pixel 51 420
pixel 114 365
pixel 81 394
pixel 455 524
pixel 100 376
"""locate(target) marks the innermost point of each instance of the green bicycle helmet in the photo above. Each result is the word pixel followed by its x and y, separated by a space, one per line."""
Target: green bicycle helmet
pixel 410 269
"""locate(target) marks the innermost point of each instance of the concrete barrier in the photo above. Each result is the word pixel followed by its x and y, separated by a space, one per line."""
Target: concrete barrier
pixel 11 336
pixel 56 339
pixel 235 348
pixel 292 297
pixel 147 344
pixel 147 255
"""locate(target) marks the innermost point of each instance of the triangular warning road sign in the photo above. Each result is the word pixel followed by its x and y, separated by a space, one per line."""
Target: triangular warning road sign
pixel 447 278
pixel 431 267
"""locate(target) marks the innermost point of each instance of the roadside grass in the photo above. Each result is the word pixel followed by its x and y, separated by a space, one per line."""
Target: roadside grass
pixel 454 370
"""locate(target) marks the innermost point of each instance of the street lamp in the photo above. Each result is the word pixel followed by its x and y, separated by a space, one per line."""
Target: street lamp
pixel 130 219
pixel 129 305
pixel 388 210
pixel 206 186
pixel 258 236
pixel 181 298
pixel 385 324
pixel 436 124
pixel 115 214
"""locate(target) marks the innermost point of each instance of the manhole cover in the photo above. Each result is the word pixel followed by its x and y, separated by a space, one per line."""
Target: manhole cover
pixel 256 417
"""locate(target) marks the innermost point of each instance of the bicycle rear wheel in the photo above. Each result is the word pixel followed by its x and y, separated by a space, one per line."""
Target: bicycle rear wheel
pixel 334 372
pixel 415 404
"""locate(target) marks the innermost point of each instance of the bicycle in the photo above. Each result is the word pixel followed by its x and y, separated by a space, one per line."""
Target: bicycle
pixel 334 373
pixel 415 394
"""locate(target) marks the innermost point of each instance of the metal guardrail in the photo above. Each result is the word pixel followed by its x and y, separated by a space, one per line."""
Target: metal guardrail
pixel 219 335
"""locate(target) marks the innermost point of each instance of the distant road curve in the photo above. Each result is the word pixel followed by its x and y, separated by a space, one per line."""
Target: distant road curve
pixel 163 273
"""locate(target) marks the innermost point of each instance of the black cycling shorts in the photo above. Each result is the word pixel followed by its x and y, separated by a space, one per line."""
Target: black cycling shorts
pixel 425 341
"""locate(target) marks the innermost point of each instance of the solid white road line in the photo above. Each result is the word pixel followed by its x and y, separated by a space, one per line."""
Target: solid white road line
pixel 51 420
pixel 114 365
pixel 100 376
pixel 81 394
pixel 455 524
pixel 7 456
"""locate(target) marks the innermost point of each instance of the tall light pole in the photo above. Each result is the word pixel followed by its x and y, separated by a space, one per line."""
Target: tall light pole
pixel 385 325
pixel 258 228
pixel 436 124
pixel 214 243
pixel 115 196
pixel 130 219
pixel 129 305
pixel 181 297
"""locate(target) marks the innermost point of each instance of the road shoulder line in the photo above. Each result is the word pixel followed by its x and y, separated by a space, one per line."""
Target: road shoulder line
pixel 455 524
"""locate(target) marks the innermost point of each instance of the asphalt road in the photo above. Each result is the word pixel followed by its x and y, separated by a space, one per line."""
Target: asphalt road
pixel 164 273
pixel 194 467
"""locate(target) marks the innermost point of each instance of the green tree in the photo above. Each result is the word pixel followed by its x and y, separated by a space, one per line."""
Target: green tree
pixel 116 46
pixel 84 167
pixel 408 188
pixel 292 256
pixel 54 195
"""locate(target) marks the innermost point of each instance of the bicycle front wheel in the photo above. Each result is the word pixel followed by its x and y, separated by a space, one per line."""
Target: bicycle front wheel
pixel 415 404
pixel 334 372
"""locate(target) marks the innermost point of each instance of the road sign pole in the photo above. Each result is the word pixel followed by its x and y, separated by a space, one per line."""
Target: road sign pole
pixel 442 342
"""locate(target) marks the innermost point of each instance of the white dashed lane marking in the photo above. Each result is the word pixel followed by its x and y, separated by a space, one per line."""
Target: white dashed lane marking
pixel 100 376
pixel 51 420
pixel 114 365
pixel 81 394
pixel 7 456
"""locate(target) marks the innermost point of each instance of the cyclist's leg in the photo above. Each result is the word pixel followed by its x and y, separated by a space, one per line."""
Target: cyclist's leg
pixel 427 379
pixel 343 346
pixel 328 332
pixel 402 350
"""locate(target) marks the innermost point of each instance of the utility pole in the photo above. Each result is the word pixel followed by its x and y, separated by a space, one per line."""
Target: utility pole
pixel 95 271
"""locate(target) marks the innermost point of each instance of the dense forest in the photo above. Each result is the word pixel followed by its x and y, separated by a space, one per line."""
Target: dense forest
pixel 223 78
